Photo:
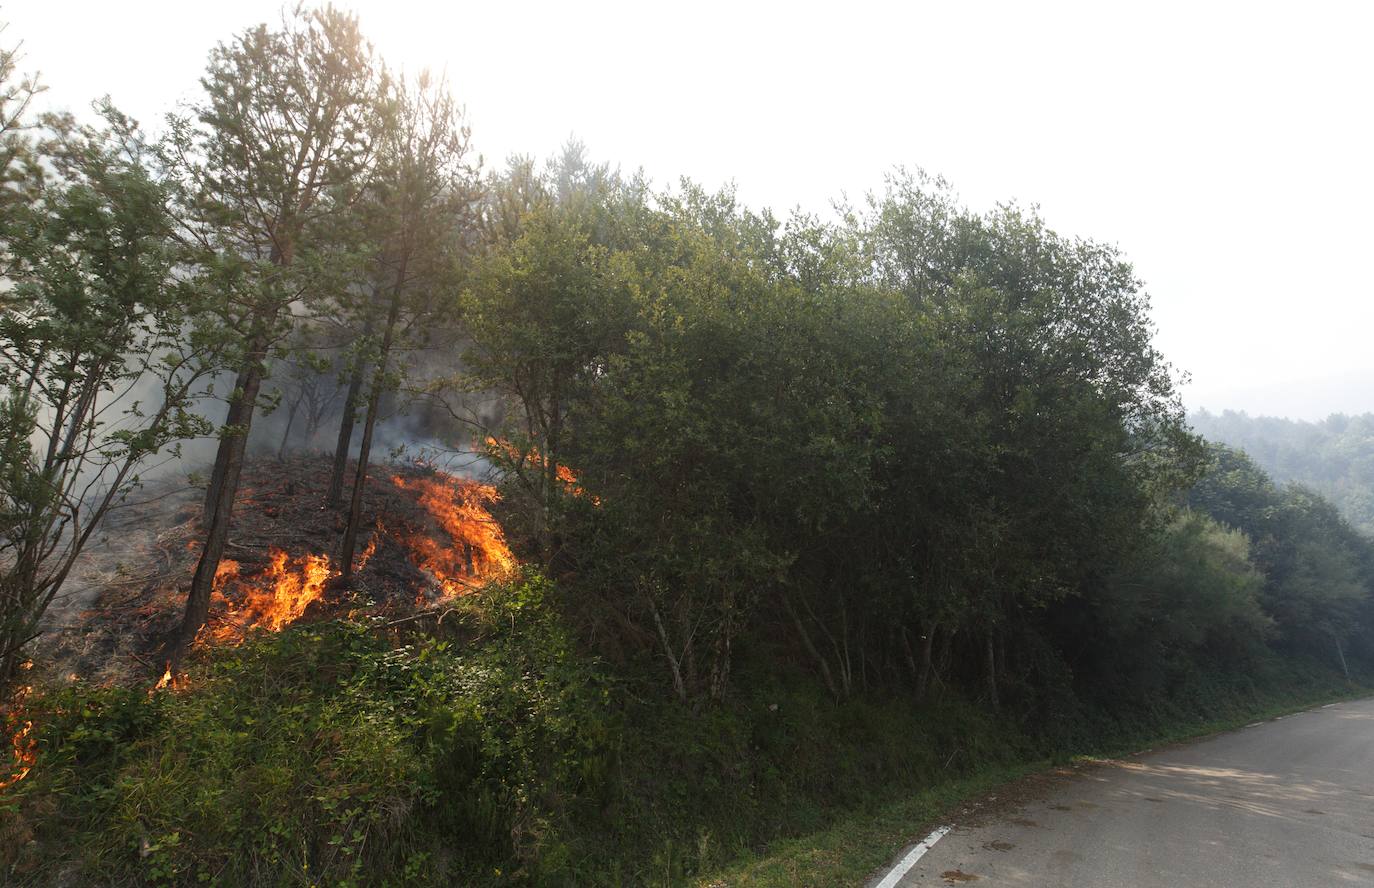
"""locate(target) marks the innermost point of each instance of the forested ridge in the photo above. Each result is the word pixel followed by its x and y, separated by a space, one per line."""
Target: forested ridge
pixel 627 530
pixel 1333 456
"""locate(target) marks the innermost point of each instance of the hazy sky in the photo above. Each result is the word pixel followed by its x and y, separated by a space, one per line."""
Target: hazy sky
pixel 1227 148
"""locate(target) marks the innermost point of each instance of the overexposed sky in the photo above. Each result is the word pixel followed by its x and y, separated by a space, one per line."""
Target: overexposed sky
pixel 1228 149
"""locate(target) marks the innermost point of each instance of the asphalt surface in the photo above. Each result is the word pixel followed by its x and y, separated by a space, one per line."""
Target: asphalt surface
pixel 1288 803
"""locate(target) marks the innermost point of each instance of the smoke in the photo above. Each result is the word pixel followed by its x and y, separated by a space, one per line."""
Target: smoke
pixel 430 421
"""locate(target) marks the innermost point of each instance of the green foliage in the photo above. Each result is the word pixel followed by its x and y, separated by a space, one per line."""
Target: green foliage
pixel 1318 569
pixel 1189 601
pixel 969 404
pixel 1194 589
pixel 1333 457
pixel 326 755
pixel 100 369
pixel 886 501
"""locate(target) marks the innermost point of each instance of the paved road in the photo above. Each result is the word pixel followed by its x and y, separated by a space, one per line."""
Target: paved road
pixel 1285 804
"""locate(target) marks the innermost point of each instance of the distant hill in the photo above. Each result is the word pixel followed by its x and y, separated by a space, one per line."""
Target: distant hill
pixel 1334 457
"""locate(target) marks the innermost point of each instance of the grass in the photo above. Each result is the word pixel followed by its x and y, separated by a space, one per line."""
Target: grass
pixel 857 845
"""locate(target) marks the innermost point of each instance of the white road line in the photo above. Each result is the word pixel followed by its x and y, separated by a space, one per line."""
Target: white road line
pixel 904 866
pixel 1254 724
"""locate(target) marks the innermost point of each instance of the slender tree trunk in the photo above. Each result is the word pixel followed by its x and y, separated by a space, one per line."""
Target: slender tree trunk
pixel 842 652
pixel 990 663
pixel 374 397
pixel 290 421
pixel 811 649
pixel 232 421
pixel 679 686
pixel 720 663
pixel 942 660
pixel 355 502
pixel 907 654
pixel 1341 653
pixel 232 446
pixel 552 450
pixel 863 654
pixel 350 415
pixel 924 669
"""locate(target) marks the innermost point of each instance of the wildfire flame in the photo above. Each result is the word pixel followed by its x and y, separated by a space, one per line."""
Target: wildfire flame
pixel 476 550
pixel 367 552
pixel 228 570
pixel 277 597
pixel 24 745
pixel 169 681
pixel 534 458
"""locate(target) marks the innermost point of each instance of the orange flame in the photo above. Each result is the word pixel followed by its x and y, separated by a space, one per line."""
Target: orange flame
pixel 275 599
pixel 168 681
pixel 228 570
pixel 477 550
pixel 24 745
pixel 367 552
pixel 533 457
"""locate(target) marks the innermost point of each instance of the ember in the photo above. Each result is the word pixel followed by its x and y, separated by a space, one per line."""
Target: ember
pixel 476 549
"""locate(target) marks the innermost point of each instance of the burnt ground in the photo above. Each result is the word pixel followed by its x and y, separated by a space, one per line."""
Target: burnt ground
pixel 127 594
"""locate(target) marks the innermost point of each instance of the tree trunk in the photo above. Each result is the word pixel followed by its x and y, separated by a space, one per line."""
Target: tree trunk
pixel 290 421
pixel 233 419
pixel 924 669
pixel 679 686
pixel 374 397
pixel 991 667
pixel 1341 653
pixel 908 655
pixel 842 652
pixel 552 449
pixel 350 415
pixel 232 446
pixel 811 649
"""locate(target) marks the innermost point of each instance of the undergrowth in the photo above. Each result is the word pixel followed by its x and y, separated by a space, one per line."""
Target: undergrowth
pixel 328 755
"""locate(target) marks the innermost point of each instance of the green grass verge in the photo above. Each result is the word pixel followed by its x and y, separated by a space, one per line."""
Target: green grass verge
pixel 858 845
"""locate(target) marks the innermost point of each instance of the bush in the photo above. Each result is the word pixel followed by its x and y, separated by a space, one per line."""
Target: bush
pixel 321 755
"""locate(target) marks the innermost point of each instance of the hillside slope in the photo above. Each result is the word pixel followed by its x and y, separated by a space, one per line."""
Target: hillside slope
pixel 1334 457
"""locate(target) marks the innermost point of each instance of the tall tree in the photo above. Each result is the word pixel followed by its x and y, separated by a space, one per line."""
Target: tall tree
pixel 280 148
pixel 423 204
pixel 102 349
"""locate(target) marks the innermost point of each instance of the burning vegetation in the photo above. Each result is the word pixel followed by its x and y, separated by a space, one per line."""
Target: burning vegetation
pixel 530 459
pixel 433 538
pixel 279 596
pixel 23 746
pixel 469 548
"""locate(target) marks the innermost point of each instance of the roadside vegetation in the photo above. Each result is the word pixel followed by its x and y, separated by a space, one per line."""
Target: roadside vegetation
pixel 820 522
